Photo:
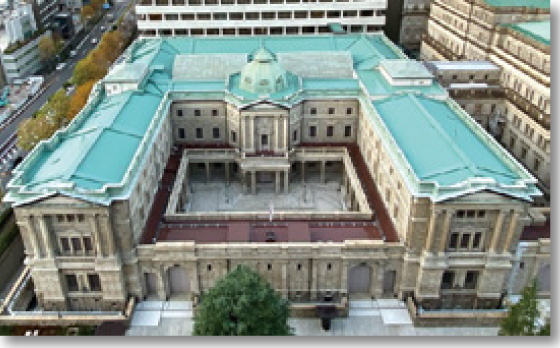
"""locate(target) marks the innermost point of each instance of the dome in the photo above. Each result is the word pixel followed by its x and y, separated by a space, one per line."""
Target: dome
pixel 263 75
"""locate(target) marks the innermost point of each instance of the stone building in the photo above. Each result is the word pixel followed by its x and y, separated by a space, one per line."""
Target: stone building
pixel 516 37
pixel 161 18
pixel 476 87
pixel 406 22
pixel 333 165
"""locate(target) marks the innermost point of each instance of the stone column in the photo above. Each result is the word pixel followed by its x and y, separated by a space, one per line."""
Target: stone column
pixel 286 135
pixel 313 279
pixel 286 181
pixel 244 181
pixel 226 165
pixel 445 231
pixel 46 237
pixel 28 224
pixel 285 278
pixel 96 236
pixel 253 182
pixel 511 230
pixel 106 230
pixel 277 177
pixel 243 141
pixel 276 135
pixel 372 278
pixel 431 228
pixel 322 180
pixel 497 231
pixel 344 277
pixel 252 134
pixel 195 282
pixel 303 172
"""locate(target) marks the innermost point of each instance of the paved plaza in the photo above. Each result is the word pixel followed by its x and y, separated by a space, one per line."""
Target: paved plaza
pixel 217 196
pixel 366 318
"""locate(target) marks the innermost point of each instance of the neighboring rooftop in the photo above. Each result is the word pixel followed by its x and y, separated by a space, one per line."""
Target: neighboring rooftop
pixel 543 4
pixel 537 30
pixel 463 65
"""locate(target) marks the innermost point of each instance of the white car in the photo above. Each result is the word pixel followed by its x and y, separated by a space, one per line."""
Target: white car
pixel 73 53
pixel 94 41
pixel 60 66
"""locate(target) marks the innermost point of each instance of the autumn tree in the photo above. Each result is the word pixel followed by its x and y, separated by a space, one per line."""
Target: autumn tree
pixel 97 5
pixel 88 69
pixel 55 111
pixel 79 99
pixel 47 48
pixel 242 304
pixel 87 13
pixel 31 131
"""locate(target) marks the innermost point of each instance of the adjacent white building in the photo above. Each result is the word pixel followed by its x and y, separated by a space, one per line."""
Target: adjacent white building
pixel 258 17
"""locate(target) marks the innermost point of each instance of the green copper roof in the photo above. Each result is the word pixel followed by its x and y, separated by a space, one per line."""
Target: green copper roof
pixel 264 75
pixel 519 3
pixel 98 157
pixel 537 30
pixel 440 145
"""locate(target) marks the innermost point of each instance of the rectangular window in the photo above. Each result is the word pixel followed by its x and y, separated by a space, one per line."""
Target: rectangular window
pixel 312 131
pixel 331 111
pixel 476 240
pixel 233 136
pixel 77 244
pixel 199 133
pixel 65 244
pixel 453 240
pixel 347 131
pixel 197 112
pixel 313 111
pixel 447 280
pixel 465 240
pixel 537 165
pixel 330 131
pixel 181 133
pixel 179 112
pixel 349 111
pixel 87 244
pixel 264 139
pixel 471 279
pixel 294 136
pixel 72 282
pixel 94 282
pixel 216 133
pixel 214 112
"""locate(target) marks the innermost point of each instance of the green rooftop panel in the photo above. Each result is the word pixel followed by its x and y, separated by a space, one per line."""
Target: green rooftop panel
pixel 438 144
pixel 543 4
pixel 537 30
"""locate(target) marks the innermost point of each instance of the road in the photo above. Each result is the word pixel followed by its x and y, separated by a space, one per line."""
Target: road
pixel 53 83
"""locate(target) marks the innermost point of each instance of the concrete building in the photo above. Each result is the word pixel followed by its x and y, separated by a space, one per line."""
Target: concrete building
pixel 516 37
pixel 406 22
pixel 45 10
pixel 332 165
pixel 476 87
pixel 20 58
pixel 159 18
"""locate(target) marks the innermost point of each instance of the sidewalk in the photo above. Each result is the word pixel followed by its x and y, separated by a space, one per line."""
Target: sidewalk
pixel 366 318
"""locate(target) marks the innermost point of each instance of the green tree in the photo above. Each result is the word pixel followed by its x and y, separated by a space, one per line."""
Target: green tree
pixel 242 304
pixel 47 48
pixel 521 318
pixel 55 111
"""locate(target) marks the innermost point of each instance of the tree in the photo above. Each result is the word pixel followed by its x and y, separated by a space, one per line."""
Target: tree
pixel 87 13
pixel 522 316
pixel 97 5
pixel 47 48
pixel 88 69
pixel 79 99
pixel 55 111
pixel 242 304
pixel 32 131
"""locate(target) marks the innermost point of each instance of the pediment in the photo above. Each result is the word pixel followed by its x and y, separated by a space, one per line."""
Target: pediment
pixel 264 106
pixel 483 197
pixel 61 200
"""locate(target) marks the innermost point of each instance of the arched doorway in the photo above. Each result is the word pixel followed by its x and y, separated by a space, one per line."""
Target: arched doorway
pixel 178 281
pixel 543 279
pixel 359 279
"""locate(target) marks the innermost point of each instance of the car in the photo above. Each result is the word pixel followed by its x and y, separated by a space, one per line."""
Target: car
pixel 73 53
pixel 103 28
pixel 94 41
pixel 60 66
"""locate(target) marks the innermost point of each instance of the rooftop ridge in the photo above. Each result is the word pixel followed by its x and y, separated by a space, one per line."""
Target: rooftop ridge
pixel 467 162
